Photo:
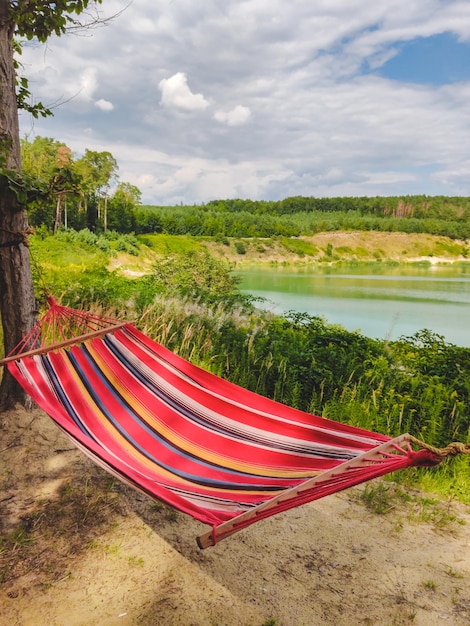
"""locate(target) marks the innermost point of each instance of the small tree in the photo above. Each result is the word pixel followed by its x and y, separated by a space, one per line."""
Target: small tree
pixel 32 19
pixel 97 170
pixel 122 208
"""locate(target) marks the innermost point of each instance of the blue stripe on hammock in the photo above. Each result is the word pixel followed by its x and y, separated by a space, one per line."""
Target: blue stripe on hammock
pixel 129 411
pixel 217 428
pixel 63 397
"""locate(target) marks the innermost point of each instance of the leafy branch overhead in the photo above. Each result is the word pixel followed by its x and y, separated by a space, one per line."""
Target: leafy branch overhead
pixel 40 19
pixel 23 94
pixel 25 188
pixel 24 20
pixel 35 20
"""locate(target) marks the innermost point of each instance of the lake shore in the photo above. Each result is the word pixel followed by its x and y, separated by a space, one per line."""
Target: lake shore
pixel 81 549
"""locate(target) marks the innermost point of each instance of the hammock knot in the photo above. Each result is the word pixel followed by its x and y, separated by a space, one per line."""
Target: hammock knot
pixel 423 458
pixel 455 448
pixel 452 449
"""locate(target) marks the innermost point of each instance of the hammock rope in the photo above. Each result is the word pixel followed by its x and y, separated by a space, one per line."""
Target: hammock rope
pixel 218 452
pixel 455 448
pixel 59 327
pixel 18 238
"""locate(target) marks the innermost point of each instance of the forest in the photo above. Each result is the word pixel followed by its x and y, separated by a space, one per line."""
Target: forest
pixel 85 192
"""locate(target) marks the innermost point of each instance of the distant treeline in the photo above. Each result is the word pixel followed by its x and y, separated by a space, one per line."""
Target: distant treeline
pixel 438 215
pixel 61 190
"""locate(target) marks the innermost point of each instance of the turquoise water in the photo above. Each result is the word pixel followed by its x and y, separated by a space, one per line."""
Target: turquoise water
pixel 380 302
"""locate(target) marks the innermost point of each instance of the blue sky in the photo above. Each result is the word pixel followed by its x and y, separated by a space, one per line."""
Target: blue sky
pixel 436 60
pixel 266 99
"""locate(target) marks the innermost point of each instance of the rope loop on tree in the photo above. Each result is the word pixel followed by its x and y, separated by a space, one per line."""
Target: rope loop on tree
pixel 20 237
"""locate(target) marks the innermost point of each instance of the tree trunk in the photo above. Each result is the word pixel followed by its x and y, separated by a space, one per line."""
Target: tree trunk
pixel 17 301
pixel 105 217
pixel 58 213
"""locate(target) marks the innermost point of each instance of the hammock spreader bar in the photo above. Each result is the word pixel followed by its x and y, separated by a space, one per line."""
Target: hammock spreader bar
pixel 226 456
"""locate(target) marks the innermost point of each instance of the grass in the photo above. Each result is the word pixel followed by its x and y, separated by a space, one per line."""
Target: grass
pixel 170 244
pixel 380 386
pixel 53 254
pixel 430 585
pixel 379 498
pixel 299 247
pixel 68 522
pixel 382 497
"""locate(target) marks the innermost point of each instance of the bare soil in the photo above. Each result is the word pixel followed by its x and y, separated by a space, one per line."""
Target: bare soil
pixel 78 548
pixel 349 246
pixel 346 246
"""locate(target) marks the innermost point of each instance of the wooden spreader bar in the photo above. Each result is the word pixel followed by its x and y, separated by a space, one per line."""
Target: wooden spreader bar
pixel 232 526
pixel 62 344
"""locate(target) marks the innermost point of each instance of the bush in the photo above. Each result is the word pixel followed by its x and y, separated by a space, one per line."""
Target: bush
pixel 103 244
pixel 196 273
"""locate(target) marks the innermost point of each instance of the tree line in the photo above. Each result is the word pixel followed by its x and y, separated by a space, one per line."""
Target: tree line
pixel 85 192
pixel 210 222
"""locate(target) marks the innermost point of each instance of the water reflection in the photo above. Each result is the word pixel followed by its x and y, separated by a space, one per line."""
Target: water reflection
pixel 379 301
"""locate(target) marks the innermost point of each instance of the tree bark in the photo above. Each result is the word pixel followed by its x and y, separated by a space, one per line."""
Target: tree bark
pixel 17 301
pixel 58 213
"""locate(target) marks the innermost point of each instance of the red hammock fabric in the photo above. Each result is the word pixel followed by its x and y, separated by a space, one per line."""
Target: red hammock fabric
pixel 218 452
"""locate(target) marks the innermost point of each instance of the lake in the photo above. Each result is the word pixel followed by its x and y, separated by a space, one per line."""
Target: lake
pixel 379 301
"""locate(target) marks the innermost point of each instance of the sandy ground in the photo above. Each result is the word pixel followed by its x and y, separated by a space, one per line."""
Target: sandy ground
pixel 79 549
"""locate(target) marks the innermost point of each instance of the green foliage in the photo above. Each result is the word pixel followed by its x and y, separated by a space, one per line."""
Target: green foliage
pixel 378 497
pixel 122 207
pixel 298 246
pixel 40 19
pixel 103 244
pixel 23 94
pixel 240 247
pixel 73 266
pixel 25 188
pixel 91 202
pixel 194 273
pixel 171 244
pixel 54 178
pixel 292 217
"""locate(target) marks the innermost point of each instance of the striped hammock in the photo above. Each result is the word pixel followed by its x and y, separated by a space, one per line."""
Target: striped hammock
pixel 224 455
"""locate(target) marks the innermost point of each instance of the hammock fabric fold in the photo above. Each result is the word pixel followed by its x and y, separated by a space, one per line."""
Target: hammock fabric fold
pixel 220 453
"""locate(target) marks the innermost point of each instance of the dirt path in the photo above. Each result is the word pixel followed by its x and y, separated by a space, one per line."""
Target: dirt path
pixel 79 549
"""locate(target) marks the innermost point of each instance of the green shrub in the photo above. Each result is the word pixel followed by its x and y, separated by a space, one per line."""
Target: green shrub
pixel 240 247
pixel 103 244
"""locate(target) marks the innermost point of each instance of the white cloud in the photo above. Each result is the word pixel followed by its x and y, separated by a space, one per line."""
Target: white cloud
pixel 312 122
pixel 458 177
pixel 88 83
pixel 176 93
pixel 388 178
pixel 236 117
pixel 104 105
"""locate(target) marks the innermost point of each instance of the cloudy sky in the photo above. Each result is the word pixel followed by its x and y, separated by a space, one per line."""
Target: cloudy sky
pixel 265 99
